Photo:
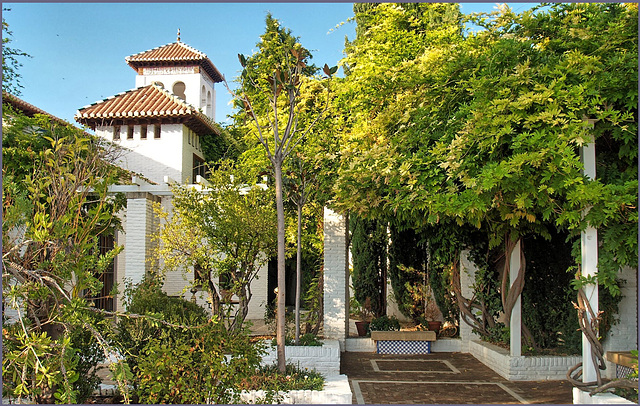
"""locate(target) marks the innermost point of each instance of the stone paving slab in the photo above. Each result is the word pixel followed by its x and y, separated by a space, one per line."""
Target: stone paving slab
pixel 441 378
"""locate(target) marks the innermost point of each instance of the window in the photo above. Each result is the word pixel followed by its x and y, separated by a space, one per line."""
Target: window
pixel 156 131
pixel 116 132
pixel 200 276
pixel 143 132
pixel 178 90
pixel 203 96
pixel 104 300
pixel 199 167
pixel 129 132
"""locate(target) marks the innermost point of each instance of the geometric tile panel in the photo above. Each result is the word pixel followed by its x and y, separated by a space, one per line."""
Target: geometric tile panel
pixel 403 347
pixel 623 371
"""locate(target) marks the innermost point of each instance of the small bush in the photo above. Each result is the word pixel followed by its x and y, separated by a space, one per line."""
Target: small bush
pixel 385 323
pixel 308 339
pixel 148 299
pixel 208 365
pixel 269 378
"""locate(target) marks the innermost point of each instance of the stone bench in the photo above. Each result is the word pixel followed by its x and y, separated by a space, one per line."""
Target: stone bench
pixel 403 342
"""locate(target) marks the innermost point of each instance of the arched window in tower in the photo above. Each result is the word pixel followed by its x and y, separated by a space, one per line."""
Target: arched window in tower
pixel 203 97
pixel 178 90
pixel 209 104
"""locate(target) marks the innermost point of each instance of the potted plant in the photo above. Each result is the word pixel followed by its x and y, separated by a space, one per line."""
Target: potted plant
pixel 363 314
pixel 430 319
pixel 385 323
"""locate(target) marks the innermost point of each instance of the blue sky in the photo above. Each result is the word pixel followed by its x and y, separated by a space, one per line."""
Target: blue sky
pixel 78 49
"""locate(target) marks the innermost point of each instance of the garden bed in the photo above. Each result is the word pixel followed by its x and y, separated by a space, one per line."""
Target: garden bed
pixel 583 398
pixel 324 359
pixel 522 368
pixel 336 391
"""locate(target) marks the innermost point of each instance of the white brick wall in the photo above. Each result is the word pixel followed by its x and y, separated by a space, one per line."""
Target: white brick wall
pixel 521 368
pixel 324 359
pixel 140 225
pixel 581 397
pixel 336 391
pixel 259 294
pixel 336 303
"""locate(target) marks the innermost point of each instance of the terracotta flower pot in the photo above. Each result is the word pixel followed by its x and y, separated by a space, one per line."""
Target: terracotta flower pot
pixel 435 326
pixel 362 327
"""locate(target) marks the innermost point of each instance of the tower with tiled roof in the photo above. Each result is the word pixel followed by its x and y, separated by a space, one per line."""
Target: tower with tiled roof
pixel 181 69
pixel 162 121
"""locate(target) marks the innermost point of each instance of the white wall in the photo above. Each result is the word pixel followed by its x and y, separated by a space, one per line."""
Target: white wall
pixel 153 158
pixel 336 292
pixel 193 87
pixel 623 336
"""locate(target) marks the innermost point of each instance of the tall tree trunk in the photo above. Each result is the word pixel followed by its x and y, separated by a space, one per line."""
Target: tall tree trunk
pixel 280 309
pixel 298 273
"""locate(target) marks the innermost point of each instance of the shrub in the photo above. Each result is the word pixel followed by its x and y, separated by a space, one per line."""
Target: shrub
pixel 208 365
pixel 308 339
pixel 385 323
pixel 269 378
pixel 148 299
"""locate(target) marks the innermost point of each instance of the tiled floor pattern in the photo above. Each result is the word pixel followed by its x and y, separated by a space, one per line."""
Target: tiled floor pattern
pixel 441 378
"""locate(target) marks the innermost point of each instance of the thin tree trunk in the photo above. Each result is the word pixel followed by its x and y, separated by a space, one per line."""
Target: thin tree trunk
pixel 298 273
pixel 280 311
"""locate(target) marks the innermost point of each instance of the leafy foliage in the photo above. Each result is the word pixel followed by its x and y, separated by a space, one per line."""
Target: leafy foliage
pixel 368 248
pixel 483 130
pixel 55 205
pixel 384 323
pixel 10 62
pixel 225 233
pixel 178 355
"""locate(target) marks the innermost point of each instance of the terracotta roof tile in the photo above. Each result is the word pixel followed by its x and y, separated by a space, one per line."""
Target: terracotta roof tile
pixel 27 108
pixel 150 101
pixel 176 53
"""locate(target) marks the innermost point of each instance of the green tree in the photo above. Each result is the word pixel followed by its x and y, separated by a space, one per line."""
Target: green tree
pixel 10 63
pixel 369 252
pixel 485 130
pixel 226 232
pixel 270 95
pixel 54 209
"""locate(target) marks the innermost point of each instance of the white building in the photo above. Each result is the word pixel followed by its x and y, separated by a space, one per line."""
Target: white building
pixel 161 124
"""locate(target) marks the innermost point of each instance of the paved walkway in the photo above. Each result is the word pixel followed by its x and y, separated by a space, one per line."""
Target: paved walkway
pixel 440 378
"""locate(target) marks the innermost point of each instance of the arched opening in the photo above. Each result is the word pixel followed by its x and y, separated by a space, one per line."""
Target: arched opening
pixel 203 97
pixel 209 109
pixel 178 90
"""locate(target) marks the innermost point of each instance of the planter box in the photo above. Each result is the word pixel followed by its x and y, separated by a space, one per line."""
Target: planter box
pixel 541 368
pixel 324 359
pixel 403 342
pixel 581 397
pixel 368 345
pixel 336 391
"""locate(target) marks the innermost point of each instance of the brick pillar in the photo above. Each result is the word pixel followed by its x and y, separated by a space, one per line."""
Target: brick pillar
pixel 140 225
pixel 336 300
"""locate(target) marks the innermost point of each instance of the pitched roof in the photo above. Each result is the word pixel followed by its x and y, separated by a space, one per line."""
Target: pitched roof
pixel 173 54
pixel 27 108
pixel 148 102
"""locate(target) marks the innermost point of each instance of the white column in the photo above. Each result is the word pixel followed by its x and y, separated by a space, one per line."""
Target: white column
pixel 515 326
pixel 336 302
pixel 589 240
pixel 139 227
pixel 467 280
